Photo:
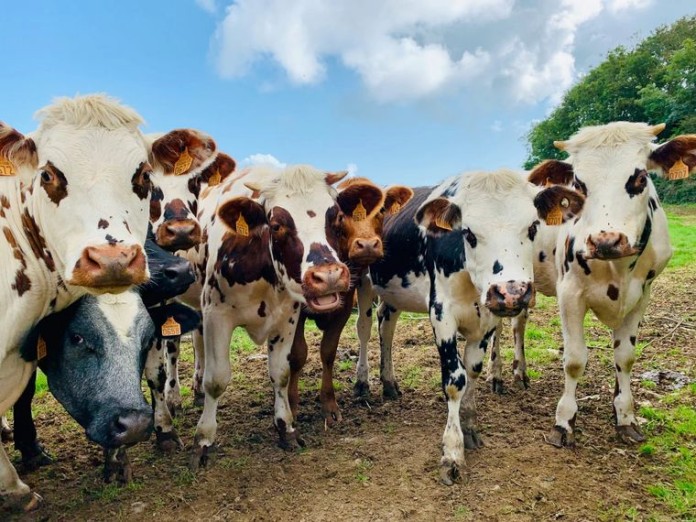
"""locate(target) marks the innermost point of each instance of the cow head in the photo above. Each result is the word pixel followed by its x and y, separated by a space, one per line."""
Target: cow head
pixel 178 158
pixel 294 204
pixel 497 215
pixel 355 224
pixel 610 163
pixel 88 191
pixel 95 353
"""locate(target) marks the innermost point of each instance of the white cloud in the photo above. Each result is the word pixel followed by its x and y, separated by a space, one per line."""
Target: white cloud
pixel 404 50
pixel 207 5
pixel 263 159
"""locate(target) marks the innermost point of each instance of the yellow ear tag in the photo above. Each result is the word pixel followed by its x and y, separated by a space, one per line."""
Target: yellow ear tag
pixel 41 350
pixel 396 206
pixel 170 328
pixel 183 163
pixel 554 217
pixel 679 170
pixel 241 226
pixel 442 224
pixel 359 213
pixel 215 179
pixel 6 167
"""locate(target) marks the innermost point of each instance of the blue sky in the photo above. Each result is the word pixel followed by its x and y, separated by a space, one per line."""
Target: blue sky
pixel 402 91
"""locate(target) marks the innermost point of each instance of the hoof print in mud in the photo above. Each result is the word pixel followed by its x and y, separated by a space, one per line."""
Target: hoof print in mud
pixel 630 433
pixel 169 441
pixel 560 438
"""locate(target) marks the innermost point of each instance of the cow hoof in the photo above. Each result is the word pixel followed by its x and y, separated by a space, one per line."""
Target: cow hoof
pixel 361 389
pixel 291 441
pixel 390 390
pixel 198 399
pixel 498 387
pixel 169 441
pixel 522 382
pixel 118 469
pixel 331 418
pixel 630 433
pixel 560 438
pixel 35 456
pixel 202 457
pixel 174 408
pixel 6 434
pixel 449 472
pixel 472 440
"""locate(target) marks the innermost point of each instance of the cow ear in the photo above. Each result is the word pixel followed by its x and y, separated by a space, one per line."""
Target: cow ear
pixel 551 172
pixel 557 204
pixel 174 319
pixel 359 200
pixel 439 216
pixel 335 177
pixel 243 216
pixel 16 151
pixel 183 152
pixel 396 197
pixel 218 170
pixel 676 159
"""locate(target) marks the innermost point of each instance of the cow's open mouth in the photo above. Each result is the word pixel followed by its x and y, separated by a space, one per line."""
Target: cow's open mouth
pixel 322 303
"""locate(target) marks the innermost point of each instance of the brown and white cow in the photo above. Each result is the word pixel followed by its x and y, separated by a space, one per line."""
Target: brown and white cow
pixel 355 231
pixel 76 224
pixel 607 260
pixel 263 260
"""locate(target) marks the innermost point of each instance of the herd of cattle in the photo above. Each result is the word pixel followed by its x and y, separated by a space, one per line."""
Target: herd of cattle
pixel 116 243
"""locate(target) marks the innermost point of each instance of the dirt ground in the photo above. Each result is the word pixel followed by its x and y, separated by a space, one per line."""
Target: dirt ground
pixel 381 462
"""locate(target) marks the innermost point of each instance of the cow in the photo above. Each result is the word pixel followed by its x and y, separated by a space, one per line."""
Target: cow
pixel 74 201
pixel 461 251
pixel 607 259
pixel 264 259
pixel 355 230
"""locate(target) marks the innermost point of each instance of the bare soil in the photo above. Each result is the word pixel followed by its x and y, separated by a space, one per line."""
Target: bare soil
pixel 381 462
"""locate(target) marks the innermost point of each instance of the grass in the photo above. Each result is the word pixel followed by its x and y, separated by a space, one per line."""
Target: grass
pixel 682 233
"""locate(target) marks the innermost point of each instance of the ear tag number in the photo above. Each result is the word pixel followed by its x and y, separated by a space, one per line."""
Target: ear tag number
pixel 171 328
pixel 679 170
pixel 241 226
pixel 183 164
pixel 6 167
pixel 41 350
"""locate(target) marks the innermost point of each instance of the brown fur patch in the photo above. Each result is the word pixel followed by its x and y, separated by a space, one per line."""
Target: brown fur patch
pixel 439 216
pixel 103 223
pixel 37 241
pixel 680 148
pixel 21 283
pixel 55 184
pixel 16 148
pixel 551 172
pixel 142 184
pixel 167 149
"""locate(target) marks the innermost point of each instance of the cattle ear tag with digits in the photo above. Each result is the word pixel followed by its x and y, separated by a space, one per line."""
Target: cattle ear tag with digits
pixel 183 163
pixel 41 351
pixel 555 215
pixel 6 167
pixel 679 170
pixel 442 223
pixel 359 213
pixel 171 328
pixel 241 226
pixel 215 179
pixel 394 208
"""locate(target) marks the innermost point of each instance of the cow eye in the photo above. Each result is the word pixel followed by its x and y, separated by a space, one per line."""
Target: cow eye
pixel 76 339
pixel 275 227
pixel 46 176
pixel 146 177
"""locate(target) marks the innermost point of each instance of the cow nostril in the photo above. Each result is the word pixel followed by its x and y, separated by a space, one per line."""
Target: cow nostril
pixel 359 244
pixel 171 274
pixel 319 277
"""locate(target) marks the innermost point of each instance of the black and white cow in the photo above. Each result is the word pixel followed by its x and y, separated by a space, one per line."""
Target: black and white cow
pixel 73 208
pixel 607 260
pixel 461 251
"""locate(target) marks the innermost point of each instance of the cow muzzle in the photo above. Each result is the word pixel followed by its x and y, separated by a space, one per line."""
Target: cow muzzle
pixel 510 298
pixel 110 268
pixel 366 251
pixel 131 426
pixel 179 234
pixel 323 284
pixel 608 245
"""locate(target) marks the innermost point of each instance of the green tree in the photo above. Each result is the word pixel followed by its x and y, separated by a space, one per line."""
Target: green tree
pixel 654 82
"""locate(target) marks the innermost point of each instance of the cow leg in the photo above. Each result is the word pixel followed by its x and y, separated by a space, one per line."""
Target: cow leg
pixel 6 434
pixel 519 364
pixel 199 364
pixel 156 375
pixel 624 356
pixel 33 454
pixel 364 328
pixel 117 466
pixel 298 358
pixel 386 318
pixel 495 364
pixel 573 312
pixel 172 390
pixel 217 333
pixel 279 348
pixel 474 353
pixel 329 346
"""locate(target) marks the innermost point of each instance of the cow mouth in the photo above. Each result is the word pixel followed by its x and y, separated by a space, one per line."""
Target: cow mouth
pixel 324 303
